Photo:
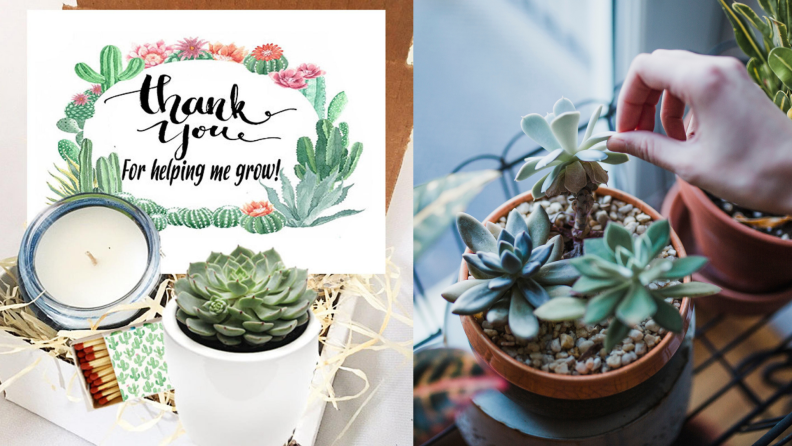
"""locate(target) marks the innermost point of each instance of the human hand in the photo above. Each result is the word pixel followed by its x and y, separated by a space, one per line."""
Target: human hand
pixel 738 145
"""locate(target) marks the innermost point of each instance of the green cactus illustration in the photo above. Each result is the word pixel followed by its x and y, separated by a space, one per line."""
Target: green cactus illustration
pixel 331 153
pixel 123 365
pixel 153 363
pixel 174 216
pixel 133 389
pixel 116 356
pixel 86 166
pixel 146 374
pixel 164 367
pixel 160 351
pixel 79 137
pixel 161 337
pixel 146 349
pixel 122 377
pixel 68 125
pixel 149 206
pixel 315 93
pixel 124 395
pixel 134 374
pixel 69 151
pixel 159 379
pixel 136 343
pixel 108 174
pixel 79 112
pixel 266 224
pixel 196 218
pixel 336 106
pixel 160 221
pixel 148 387
pixel 129 354
pixel 151 338
pixel 226 216
pixel 112 343
pixel 126 196
pixel 110 68
pixel 138 333
pixel 152 327
pixel 264 66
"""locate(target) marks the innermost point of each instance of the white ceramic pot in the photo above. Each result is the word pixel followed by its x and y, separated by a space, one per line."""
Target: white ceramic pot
pixel 239 399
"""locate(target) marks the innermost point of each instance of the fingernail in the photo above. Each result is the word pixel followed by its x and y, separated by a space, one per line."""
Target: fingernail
pixel 615 144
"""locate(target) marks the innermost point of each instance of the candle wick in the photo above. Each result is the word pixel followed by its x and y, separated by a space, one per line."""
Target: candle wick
pixel 93 259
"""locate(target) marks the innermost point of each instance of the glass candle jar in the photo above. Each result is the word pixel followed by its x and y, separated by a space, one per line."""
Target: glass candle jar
pixel 86 254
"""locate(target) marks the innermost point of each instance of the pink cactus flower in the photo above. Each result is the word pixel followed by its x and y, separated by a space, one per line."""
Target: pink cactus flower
pixel 80 99
pixel 289 78
pixel 152 54
pixel 190 47
pixel 310 71
pixel 96 89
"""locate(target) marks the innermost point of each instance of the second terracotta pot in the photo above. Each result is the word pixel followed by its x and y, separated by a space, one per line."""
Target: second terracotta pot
pixel 741 258
pixel 570 387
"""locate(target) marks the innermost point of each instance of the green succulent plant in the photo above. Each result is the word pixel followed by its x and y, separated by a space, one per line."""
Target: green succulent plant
pixel 515 270
pixel 619 270
pixel 243 298
pixel 303 206
pixel 767 43
pixel 574 163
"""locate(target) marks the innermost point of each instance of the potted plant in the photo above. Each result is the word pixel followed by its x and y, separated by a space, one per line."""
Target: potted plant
pixel 574 292
pixel 241 343
pixel 750 251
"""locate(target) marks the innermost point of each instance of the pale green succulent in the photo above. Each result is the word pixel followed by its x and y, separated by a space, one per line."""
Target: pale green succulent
pixel 574 163
pixel 515 270
pixel 243 297
pixel 619 269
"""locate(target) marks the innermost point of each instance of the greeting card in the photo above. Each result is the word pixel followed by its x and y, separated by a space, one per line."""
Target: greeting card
pixel 255 128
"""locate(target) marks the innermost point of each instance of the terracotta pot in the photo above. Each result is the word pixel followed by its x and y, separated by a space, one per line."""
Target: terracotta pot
pixel 741 258
pixel 581 387
pixel 729 300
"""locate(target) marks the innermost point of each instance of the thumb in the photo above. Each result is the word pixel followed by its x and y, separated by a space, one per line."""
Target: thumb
pixel 655 148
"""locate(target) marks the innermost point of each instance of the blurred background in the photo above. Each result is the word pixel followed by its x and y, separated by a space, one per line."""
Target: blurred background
pixel 480 66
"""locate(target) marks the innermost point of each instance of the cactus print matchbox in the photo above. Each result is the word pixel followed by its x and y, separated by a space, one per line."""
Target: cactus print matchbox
pixel 138 360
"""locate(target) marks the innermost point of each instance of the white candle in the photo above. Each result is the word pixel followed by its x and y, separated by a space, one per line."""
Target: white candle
pixel 90 257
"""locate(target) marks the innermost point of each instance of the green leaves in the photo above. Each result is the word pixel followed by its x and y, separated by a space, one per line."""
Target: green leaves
pixel 636 305
pixel 562 309
pixel 780 61
pixel 437 202
pixel 690 289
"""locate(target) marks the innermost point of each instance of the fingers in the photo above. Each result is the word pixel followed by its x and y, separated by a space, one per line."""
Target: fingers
pixel 688 77
pixel 652 147
pixel 671 114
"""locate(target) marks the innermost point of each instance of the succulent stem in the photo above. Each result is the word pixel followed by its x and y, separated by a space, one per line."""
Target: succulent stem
pixel 582 204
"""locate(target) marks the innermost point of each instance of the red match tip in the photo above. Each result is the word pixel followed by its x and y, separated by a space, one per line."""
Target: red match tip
pixel 86 366
pixel 93 376
pixel 103 401
pixel 94 389
pixel 97 395
pixel 79 346
pixel 81 354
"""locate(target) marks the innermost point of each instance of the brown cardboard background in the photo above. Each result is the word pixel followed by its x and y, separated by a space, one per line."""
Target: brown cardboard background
pixel 398 36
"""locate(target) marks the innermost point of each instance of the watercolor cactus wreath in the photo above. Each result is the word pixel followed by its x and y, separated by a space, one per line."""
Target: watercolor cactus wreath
pixel 323 165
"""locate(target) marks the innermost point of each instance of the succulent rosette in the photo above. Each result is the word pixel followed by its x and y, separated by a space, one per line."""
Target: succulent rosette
pixel 574 162
pixel 244 297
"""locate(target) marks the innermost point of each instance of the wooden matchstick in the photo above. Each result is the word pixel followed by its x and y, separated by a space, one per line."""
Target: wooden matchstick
pixel 95 363
pixel 106 385
pixel 98 355
pixel 106 392
pixel 90 343
pixel 101 371
pixel 103 380
pixel 95 348
pixel 106 400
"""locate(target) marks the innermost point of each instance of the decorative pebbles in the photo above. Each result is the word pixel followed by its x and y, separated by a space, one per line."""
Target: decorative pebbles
pixel 575 348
